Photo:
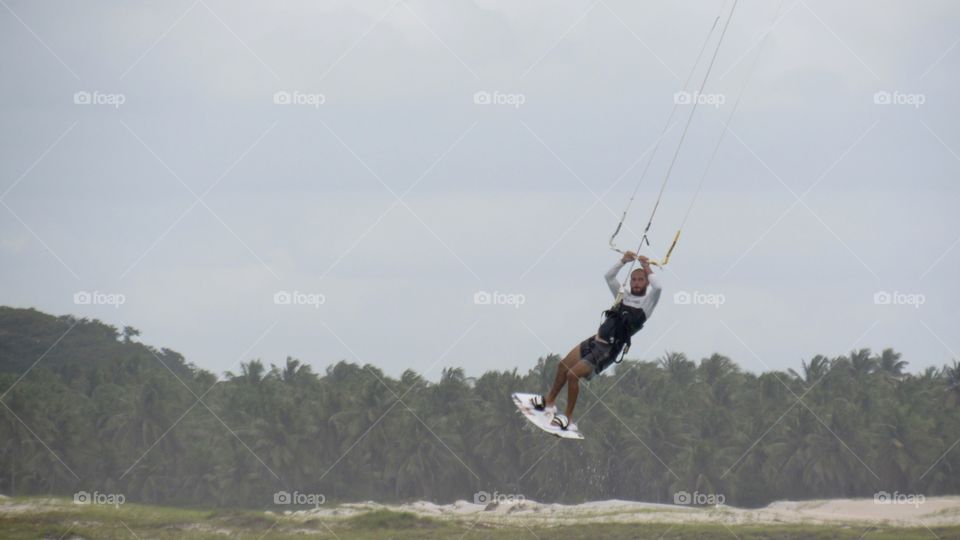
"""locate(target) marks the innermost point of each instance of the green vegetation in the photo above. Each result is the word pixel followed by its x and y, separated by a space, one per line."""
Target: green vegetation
pixel 388 519
pixel 119 417
pixel 58 519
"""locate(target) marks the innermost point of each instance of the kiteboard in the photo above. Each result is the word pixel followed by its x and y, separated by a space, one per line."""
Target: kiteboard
pixel 542 419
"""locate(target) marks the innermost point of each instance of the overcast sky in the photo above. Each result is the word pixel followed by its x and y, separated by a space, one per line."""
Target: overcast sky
pixel 147 156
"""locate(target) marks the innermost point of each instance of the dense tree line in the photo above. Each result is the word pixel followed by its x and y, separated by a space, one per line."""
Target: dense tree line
pixel 100 411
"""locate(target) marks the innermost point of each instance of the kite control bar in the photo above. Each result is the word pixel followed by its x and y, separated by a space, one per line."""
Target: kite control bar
pixel 661 263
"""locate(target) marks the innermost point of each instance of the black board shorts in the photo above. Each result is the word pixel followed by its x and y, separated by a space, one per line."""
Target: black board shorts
pixel 598 354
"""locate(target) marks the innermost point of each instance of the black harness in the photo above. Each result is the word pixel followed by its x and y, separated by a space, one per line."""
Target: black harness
pixel 620 323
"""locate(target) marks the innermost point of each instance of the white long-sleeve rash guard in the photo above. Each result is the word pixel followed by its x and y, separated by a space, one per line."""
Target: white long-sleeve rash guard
pixel 646 301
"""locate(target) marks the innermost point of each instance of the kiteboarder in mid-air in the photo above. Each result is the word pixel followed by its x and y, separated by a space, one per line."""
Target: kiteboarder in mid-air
pixel 627 316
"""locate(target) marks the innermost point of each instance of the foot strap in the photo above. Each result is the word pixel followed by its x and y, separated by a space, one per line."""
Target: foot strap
pixel 538 402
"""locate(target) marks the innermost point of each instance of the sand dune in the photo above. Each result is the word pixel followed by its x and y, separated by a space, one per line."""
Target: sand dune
pixel 932 511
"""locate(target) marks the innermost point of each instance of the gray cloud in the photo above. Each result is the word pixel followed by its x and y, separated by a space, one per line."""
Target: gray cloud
pixel 308 207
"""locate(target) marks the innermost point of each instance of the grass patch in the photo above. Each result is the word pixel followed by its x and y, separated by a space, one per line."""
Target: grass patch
pixel 243 519
pixel 53 519
pixel 380 526
pixel 388 519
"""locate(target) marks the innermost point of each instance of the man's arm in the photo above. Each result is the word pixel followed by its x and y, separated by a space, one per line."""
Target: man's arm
pixel 651 279
pixel 611 275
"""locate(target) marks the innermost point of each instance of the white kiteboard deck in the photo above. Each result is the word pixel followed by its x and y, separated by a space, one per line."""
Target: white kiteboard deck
pixel 542 419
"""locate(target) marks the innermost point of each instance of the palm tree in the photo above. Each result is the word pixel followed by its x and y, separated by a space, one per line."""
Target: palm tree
pixel 862 364
pixel 890 363
pixel 903 443
pixel 680 370
pixel 952 376
pixel 250 372
pixel 813 372
pixel 720 375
